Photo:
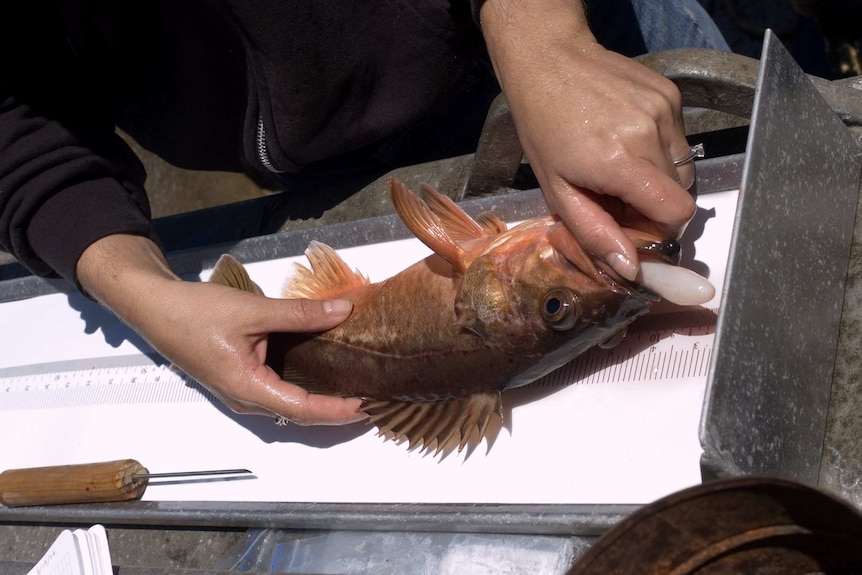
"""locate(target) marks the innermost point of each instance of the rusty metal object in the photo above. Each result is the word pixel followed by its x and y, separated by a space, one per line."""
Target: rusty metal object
pixel 741 525
pixel 725 81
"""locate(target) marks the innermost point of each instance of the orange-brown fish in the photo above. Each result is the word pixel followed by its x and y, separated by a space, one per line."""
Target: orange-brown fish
pixel 431 349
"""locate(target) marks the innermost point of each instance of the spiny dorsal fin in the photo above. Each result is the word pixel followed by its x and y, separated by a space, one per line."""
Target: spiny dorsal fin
pixel 491 223
pixel 328 277
pixel 457 222
pixel 436 423
pixel 231 273
pixel 426 225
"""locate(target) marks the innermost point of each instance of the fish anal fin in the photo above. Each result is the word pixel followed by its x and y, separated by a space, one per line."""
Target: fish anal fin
pixel 426 225
pixel 329 275
pixel 438 423
pixel 229 272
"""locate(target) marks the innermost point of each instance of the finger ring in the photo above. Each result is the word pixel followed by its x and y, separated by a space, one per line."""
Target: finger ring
pixel 696 151
pixel 281 421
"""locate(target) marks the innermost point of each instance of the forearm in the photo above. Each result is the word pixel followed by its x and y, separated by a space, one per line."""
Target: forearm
pixel 521 35
pixel 124 272
pixel 59 194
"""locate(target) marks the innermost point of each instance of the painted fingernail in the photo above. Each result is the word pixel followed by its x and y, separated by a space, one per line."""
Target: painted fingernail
pixel 622 265
pixel 337 306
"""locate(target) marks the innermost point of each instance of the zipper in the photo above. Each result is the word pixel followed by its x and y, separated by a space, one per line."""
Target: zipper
pixel 262 152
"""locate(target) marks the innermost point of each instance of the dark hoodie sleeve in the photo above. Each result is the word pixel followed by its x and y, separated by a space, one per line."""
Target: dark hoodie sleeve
pixel 58 196
pixel 66 179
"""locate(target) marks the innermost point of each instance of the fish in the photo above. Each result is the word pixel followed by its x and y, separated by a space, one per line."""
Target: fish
pixel 431 349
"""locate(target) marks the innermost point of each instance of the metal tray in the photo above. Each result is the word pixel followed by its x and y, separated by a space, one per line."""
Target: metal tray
pixel 758 417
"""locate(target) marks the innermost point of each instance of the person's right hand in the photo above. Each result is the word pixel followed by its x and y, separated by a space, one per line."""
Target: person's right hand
pixel 600 130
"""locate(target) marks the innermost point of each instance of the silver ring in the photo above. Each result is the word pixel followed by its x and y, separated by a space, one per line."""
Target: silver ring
pixel 696 151
pixel 281 421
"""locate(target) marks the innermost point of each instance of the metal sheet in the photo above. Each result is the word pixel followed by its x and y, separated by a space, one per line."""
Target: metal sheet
pixel 769 386
pixel 586 520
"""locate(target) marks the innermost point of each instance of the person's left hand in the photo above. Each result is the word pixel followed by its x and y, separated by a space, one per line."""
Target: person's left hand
pixel 216 334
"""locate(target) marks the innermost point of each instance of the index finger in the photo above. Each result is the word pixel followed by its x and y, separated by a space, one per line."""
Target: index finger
pixel 652 192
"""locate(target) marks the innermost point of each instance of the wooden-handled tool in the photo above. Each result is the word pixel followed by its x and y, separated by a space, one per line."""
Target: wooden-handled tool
pixel 120 480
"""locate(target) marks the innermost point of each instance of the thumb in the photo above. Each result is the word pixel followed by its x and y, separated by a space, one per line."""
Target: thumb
pixel 303 315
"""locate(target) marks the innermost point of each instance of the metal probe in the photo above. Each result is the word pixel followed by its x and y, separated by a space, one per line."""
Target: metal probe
pixel 120 480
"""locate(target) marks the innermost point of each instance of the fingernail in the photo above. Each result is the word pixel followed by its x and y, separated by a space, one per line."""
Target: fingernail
pixel 622 265
pixel 337 306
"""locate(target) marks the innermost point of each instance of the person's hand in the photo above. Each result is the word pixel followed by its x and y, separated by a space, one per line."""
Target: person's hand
pixel 217 335
pixel 600 130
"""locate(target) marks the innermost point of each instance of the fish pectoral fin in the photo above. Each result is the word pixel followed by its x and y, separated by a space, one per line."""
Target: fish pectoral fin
pixel 437 423
pixel 297 377
pixel 426 225
pixel 329 276
pixel 229 272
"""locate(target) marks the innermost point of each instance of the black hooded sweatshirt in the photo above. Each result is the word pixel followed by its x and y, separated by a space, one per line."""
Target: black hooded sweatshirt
pixel 205 84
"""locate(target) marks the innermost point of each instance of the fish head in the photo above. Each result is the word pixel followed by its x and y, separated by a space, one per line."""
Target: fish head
pixel 535 293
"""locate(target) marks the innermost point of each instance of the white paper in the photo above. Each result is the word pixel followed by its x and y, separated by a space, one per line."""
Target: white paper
pixel 78 552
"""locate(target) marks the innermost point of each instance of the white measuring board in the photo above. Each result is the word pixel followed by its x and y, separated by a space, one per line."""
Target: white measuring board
pixel 615 426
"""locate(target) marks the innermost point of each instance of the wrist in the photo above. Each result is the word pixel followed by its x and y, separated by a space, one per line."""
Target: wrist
pixel 119 270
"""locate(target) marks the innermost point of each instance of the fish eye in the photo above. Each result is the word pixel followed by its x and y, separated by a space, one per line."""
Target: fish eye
pixel 560 309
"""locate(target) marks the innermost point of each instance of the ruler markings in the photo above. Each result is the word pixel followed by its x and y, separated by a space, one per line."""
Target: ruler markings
pixel 52 387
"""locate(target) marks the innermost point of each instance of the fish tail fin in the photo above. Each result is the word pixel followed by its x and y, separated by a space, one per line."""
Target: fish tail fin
pixel 439 424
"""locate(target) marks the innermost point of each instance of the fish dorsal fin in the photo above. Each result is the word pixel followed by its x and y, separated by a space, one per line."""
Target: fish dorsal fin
pixel 491 223
pixel 437 423
pixel 426 225
pixel 457 222
pixel 229 272
pixel 328 277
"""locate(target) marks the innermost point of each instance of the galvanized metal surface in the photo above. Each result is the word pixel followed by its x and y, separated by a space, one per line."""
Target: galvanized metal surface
pixel 771 375
pixel 583 520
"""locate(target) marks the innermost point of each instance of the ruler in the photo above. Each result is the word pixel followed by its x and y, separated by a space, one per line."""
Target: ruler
pixel 657 347
pixel 129 379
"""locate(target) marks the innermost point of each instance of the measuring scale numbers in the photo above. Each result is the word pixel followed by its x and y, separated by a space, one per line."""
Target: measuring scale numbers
pixel 67 384
pixel 662 346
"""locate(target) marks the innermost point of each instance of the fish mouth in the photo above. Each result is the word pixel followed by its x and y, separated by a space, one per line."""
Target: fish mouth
pixel 668 251
pixel 660 275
